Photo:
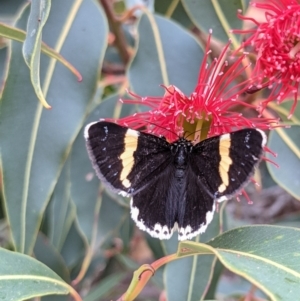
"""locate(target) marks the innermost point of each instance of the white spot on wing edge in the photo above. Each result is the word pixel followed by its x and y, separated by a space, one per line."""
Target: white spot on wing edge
pixel 86 129
pixel 157 232
pixel 123 193
pixel 222 198
pixel 186 232
pixel 225 137
pixel 132 133
pixel 264 137
pixel 210 215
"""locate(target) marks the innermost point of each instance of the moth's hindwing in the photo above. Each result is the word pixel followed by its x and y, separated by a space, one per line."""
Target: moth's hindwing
pixel 165 205
pixel 198 210
pixel 151 209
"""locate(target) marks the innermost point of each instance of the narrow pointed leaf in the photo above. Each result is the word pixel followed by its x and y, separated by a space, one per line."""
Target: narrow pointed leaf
pixel 156 246
pixel 283 109
pixel 286 143
pixel 35 142
pixel 177 13
pixel 19 35
pixel 162 59
pixel 22 277
pixel 104 286
pixel 61 212
pixel 39 13
pixel 218 15
pixel 215 280
pixel 3 54
pixel 45 253
pixel 74 248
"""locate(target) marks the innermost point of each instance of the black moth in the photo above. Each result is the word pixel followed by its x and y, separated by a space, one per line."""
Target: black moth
pixel 172 185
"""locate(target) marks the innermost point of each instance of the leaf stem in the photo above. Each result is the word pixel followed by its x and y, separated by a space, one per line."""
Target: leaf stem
pixel 116 27
pixel 142 275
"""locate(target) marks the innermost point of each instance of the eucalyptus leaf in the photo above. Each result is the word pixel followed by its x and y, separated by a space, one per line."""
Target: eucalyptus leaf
pixel 74 248
pixel 257 254
pixel 23 277
pixel 216 278
pixel 55 298
pixel 39 12
pixel 61 211
pixel 3 54
pixel 219 15
pixel 176 11
pixel 104 286
pixel 161 59
pixel 286 143
pixel 156 246
pixel 284 108
pixel 11 9
pixel 45 252
pixel 35 148
pixel 20 35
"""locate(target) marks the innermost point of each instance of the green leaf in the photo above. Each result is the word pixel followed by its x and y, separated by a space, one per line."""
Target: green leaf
pixel 45 252
pixel 286 143
pixel 185 285
pixel 126 233
pixel 183 276
pixel 3 224
pixel 3 55
pixel 156 246
pixel 55 298
pixel 175 10
pixel 104 286
pixel 35 142
pixel 20 35
pixel 257 254
pixel 22 277
pixel 7 11
pixel 60 212
pixel 215 280
pixel 74 248
pixel 39 12
pixel 237 288
pixel 163 59
pixel 284 108
pixel 218 15
pixel 112 216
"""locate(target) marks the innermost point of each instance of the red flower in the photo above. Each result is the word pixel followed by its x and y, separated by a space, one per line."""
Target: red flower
pixel 209 108
pixel 277 43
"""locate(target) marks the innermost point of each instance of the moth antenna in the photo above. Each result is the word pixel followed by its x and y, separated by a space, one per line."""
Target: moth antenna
pixel 164 128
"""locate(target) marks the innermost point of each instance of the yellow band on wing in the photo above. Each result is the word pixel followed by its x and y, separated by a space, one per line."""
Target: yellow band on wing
pixel 127 159
pixel 225 162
